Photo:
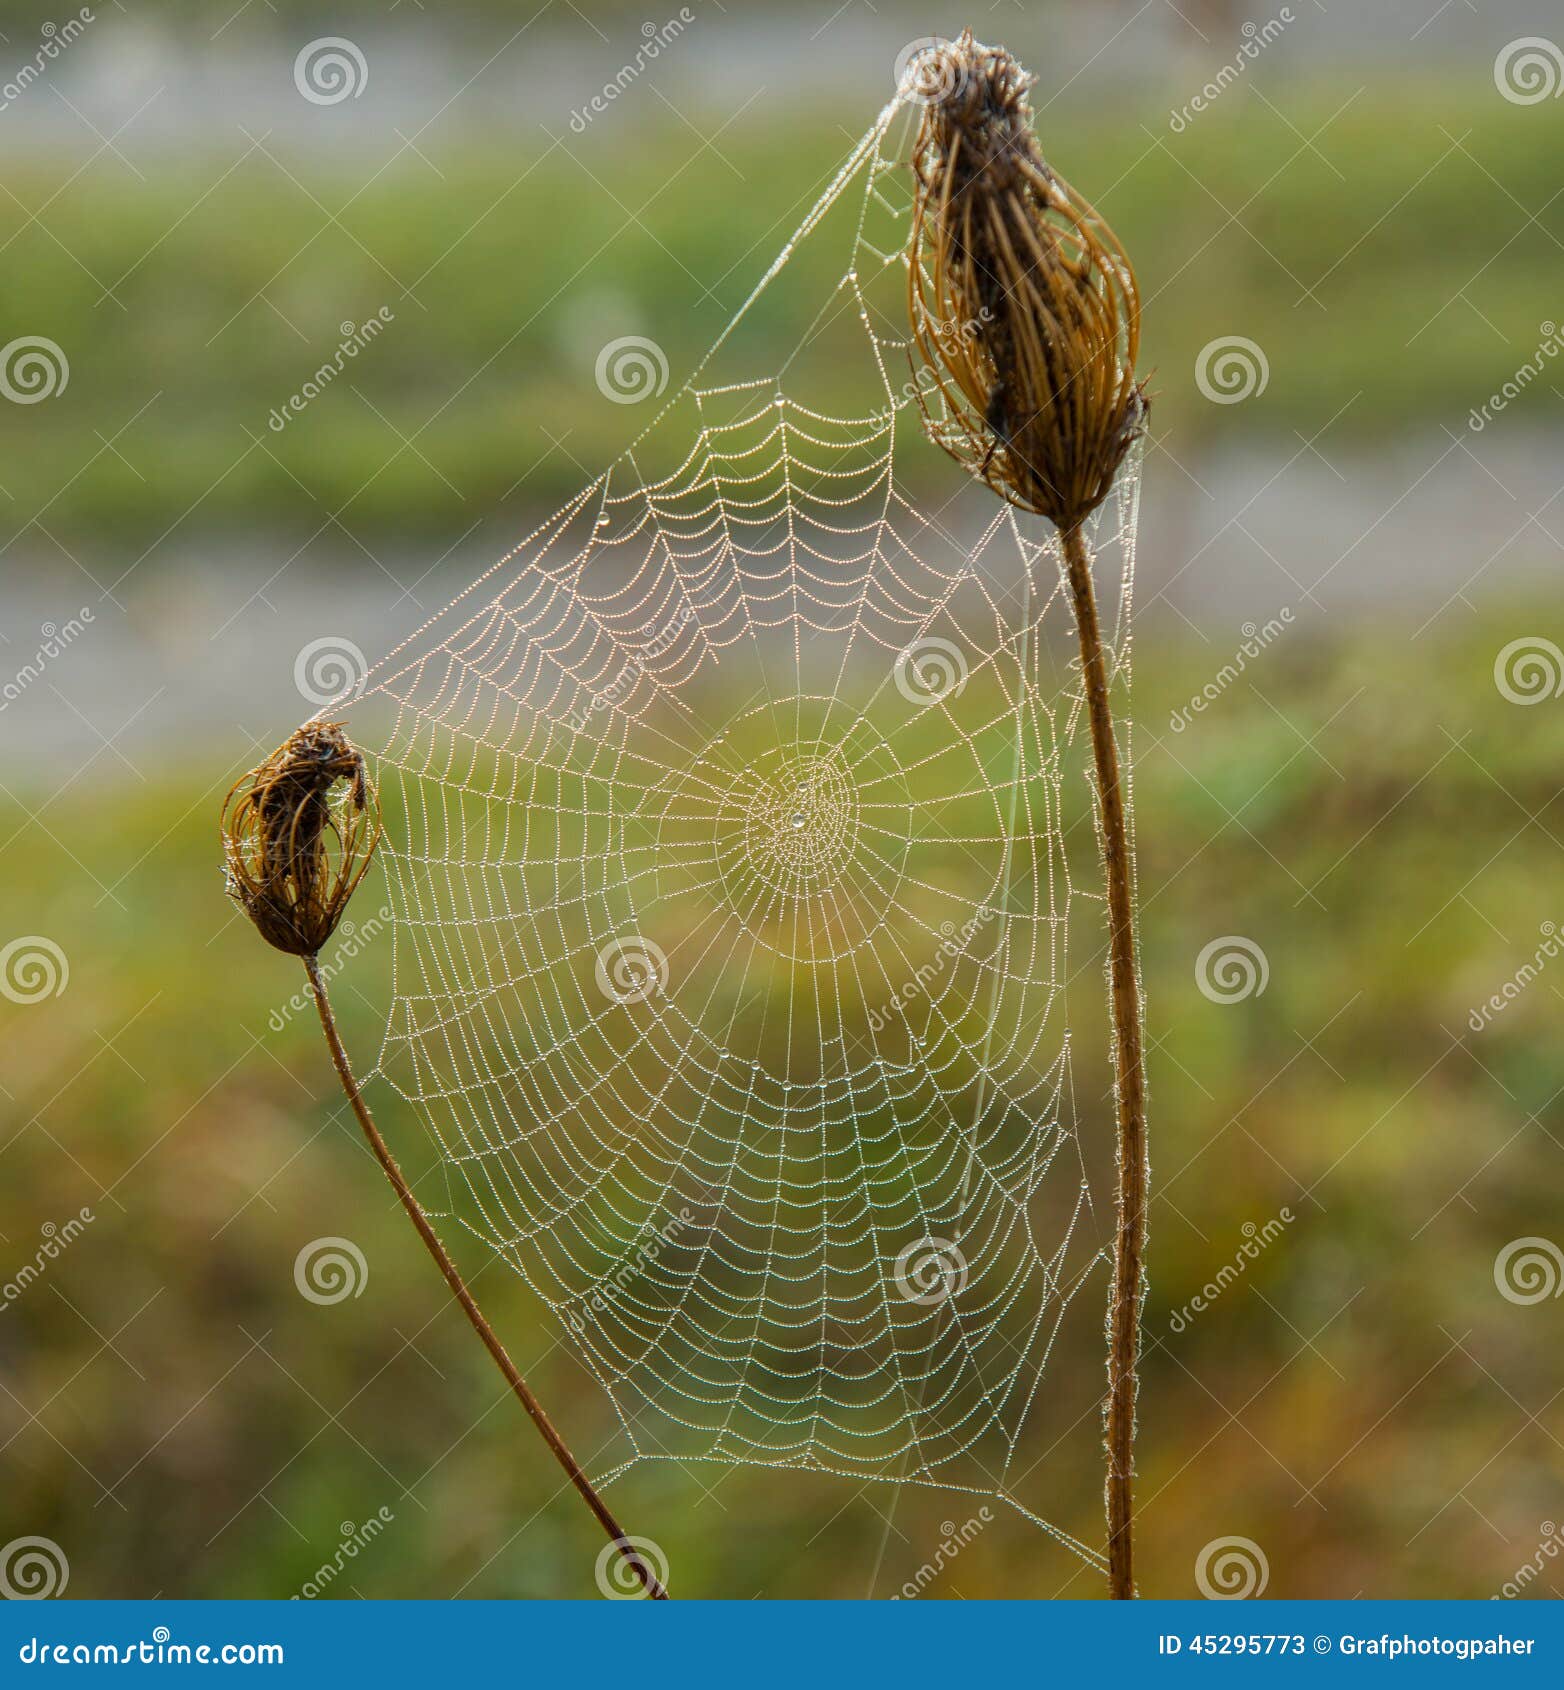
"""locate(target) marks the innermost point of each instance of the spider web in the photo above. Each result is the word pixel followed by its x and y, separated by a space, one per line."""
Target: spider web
pixel 726 846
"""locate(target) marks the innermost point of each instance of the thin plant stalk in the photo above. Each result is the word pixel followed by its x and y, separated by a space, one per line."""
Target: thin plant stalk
pixel 1130 1078
pixel 299 833
pixel 458 1285
pixel 1025 307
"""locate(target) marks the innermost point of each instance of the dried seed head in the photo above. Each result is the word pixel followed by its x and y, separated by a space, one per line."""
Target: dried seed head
pixel 1021 299
pixel 295 846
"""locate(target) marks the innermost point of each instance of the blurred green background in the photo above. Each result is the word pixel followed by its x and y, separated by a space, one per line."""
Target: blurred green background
pixel 1363 801
pixel 219 287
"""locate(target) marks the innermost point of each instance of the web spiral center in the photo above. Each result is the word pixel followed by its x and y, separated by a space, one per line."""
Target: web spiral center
pixel 800 823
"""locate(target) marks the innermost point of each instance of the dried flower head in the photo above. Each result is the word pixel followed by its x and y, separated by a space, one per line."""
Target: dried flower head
pixel 1021 299
pixel 294 846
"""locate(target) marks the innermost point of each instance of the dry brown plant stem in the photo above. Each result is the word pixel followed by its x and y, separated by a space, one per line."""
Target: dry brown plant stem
pixel 299 833
pixel 458 1285
pixel 1024 305
pixel 1130 1076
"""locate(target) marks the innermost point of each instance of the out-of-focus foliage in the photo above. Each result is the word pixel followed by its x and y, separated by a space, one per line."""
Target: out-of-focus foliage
pixel 1367 810
pixel 193 305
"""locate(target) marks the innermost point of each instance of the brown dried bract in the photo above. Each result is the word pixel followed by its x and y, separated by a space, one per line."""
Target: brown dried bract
pixel 1021 299
pixel 293 853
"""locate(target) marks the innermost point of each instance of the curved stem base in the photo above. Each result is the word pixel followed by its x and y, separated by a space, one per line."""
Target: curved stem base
pixel 453 1278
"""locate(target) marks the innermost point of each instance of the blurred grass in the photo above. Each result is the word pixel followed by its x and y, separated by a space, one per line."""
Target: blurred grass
pixel 1368 810
pixel 506 274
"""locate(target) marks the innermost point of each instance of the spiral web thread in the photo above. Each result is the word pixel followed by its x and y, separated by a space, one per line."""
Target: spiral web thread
pixel 726 849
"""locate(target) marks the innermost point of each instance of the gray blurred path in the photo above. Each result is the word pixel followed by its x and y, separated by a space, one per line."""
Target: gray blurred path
pixel 1440 524
pixel 186 87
